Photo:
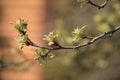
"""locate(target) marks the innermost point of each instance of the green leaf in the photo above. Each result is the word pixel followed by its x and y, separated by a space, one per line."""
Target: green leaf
pixel 50 43
pixel 40 51
pixel 18 39
pixel 75 39
pixel 22 39
pixel 25 38
pixel 77 33
pixel 42 61
pixel 43 56
pixel 50 38
pixel 20 47
pixel 21 26
pixel 78 30
pixel 17 26
pixel 45 59
pixel 22 23
pixel 51 56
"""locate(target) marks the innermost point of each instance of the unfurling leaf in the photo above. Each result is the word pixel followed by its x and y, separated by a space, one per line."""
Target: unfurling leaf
pixel 21 26
pixel 43 55
pixel 42 61
pixel 50 38
pixel 22 23
pixel 51 56
pixel 20 47
pixel 40 51
pixel 25 38
pixel 77 33
pixel 50 43
pixel 22 40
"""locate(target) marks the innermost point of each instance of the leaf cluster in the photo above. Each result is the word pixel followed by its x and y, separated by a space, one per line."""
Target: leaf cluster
pixel 43 53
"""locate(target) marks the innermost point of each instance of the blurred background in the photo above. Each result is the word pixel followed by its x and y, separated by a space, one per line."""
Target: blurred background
pixel 100 61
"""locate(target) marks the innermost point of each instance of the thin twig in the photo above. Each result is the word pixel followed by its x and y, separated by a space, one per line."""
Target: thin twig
pixel 96 5
pixel 31 43
pixel 94 39
pixel 87 37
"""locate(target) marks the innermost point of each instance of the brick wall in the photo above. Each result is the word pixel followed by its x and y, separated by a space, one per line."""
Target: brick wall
pixel 11 10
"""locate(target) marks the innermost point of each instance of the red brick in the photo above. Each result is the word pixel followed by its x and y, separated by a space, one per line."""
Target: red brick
pixel 34 11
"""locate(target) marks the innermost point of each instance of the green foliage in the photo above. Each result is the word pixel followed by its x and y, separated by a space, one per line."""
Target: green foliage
pixel 77 33
pixel 50 38
pixel 22 39
pixel 40 51
pixel 43 56
pixel 21 26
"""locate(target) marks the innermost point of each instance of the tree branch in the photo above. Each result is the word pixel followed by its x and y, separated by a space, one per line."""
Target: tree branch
pixel 96 5
pixel 93 40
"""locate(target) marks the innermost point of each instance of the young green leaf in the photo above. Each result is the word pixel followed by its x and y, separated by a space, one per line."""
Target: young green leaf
pixel 51 56
pixel 20 47
pixel 50 38
pixel 21 26
pixel 41 51
pixel 77 33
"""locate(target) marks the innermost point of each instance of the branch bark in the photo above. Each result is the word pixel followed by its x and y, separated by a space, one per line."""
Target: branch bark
pixel 98 6
pixel 93 40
